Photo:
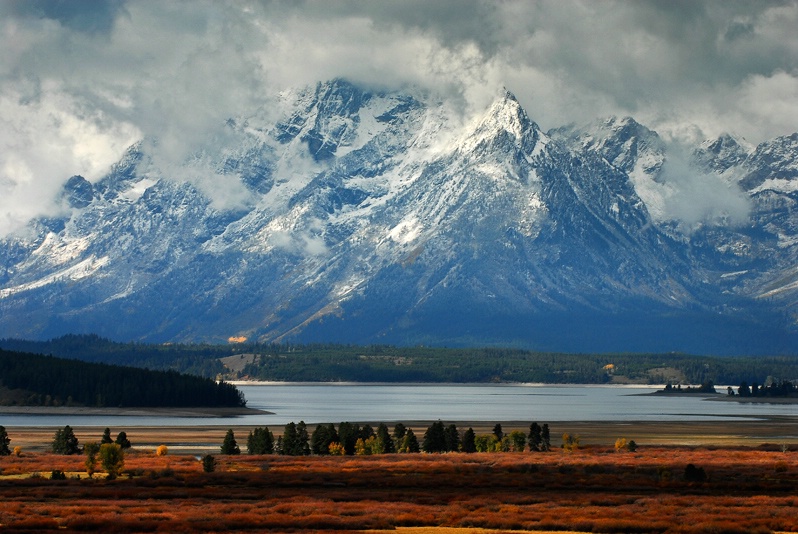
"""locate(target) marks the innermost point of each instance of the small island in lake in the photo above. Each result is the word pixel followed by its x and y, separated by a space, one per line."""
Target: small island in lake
pixel 707 388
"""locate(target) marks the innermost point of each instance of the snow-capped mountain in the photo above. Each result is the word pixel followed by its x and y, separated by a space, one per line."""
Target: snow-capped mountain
pixel 340 214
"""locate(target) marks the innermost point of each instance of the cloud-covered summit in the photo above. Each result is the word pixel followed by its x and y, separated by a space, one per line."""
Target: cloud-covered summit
pixel 80 81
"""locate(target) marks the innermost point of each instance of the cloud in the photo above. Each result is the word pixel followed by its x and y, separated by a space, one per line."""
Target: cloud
pixel 42 140
pixel 90 16
pixel 79 80
pixel 308 243
pixel 694 199
pixel 767 104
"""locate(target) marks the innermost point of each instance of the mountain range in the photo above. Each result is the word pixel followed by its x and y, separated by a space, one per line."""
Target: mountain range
pixel 342 214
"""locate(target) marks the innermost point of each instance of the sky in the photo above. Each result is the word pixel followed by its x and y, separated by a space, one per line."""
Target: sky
pixel 81 80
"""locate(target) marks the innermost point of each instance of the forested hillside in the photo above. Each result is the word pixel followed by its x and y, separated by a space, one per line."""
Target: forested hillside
pixel 37 380
pixel 200 360
pixel 425 364
pixel 383 363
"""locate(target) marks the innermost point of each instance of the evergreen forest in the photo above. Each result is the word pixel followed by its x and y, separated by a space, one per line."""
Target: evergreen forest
pixel 320 362
pixel 37 380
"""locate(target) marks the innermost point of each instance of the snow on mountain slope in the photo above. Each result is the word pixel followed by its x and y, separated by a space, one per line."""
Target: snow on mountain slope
pixel 631 148
pixel 378 217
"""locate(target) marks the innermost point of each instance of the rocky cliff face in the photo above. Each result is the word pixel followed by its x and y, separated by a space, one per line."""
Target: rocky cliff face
pixel 372 217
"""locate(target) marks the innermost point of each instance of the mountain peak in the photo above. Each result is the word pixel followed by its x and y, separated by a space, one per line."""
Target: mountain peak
pixel 773 160
pixel 78 192
pixel 507 112
pixel 721 153
pixel 724 143
pixel 623 141
pixel 504 121
pixel 625 128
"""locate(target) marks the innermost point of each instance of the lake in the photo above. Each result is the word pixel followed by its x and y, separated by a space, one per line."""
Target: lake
pixel 324 402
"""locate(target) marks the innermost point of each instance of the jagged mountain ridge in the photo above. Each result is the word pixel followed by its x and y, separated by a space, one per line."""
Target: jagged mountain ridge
pixel 372 217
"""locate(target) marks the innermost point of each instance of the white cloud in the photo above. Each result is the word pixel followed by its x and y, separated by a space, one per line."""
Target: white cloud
pixel 79 81
pixel 44 142
pixel 695 199
pixel 767 105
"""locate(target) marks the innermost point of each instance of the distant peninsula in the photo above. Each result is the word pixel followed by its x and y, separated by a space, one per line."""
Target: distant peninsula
pixel 775 392
pixel 45 382
pixel 707 388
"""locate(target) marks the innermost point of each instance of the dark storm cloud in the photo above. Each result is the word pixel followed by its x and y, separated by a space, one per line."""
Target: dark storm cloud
pixel 91 16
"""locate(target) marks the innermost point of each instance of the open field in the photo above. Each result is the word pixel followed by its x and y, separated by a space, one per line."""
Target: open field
pixel 750 484
pixel 594 489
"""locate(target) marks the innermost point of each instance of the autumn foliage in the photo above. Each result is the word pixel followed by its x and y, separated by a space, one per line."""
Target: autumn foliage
pixel 589 489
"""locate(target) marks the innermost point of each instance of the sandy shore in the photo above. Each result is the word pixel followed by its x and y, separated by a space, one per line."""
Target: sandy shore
pixel 205 438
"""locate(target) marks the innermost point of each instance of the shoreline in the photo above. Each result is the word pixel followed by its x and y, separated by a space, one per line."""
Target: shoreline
pixel 199 411
pixel 433 384
pixel 723 397
pixel 774 431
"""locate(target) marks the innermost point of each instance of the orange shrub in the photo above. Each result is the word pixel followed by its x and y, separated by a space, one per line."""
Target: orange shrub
pixel 589 489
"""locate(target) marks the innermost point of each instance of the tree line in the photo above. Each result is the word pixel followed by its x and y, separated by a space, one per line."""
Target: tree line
pixel 110 452
pixel 774 389
pixel 194 359
pixel 322 362
pixel 33 379
pixel 377 363
pixel 350 439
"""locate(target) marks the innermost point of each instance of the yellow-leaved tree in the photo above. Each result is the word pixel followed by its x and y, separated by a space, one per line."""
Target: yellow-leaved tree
pixel 112 458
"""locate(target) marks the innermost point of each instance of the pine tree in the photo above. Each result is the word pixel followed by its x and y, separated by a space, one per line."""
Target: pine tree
pixel 452 438
pixel 260 441
pixel 366 432
pixel 321 439
pixel 383 435
pixel 122 441
pixel 65 442
pixel 208 463
pixel 399 431
pixel 545 438
pixel 535 438
pixel 289 439
pixel 229 445
pixel 106 437
pixel 469 441
pixel 434 438
pixel 348 434
pixel 4 441
pixel 295 439
pixel 497 431
pixel 409 442
pixel 302 438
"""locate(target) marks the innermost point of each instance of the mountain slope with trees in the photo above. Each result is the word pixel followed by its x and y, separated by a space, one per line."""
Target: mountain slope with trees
pixel 328 362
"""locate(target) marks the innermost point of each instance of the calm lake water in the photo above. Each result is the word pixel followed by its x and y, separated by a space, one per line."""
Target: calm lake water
pixel 317 403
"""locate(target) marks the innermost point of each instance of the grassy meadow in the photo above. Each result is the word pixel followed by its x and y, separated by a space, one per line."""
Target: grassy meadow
pixel 675 489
